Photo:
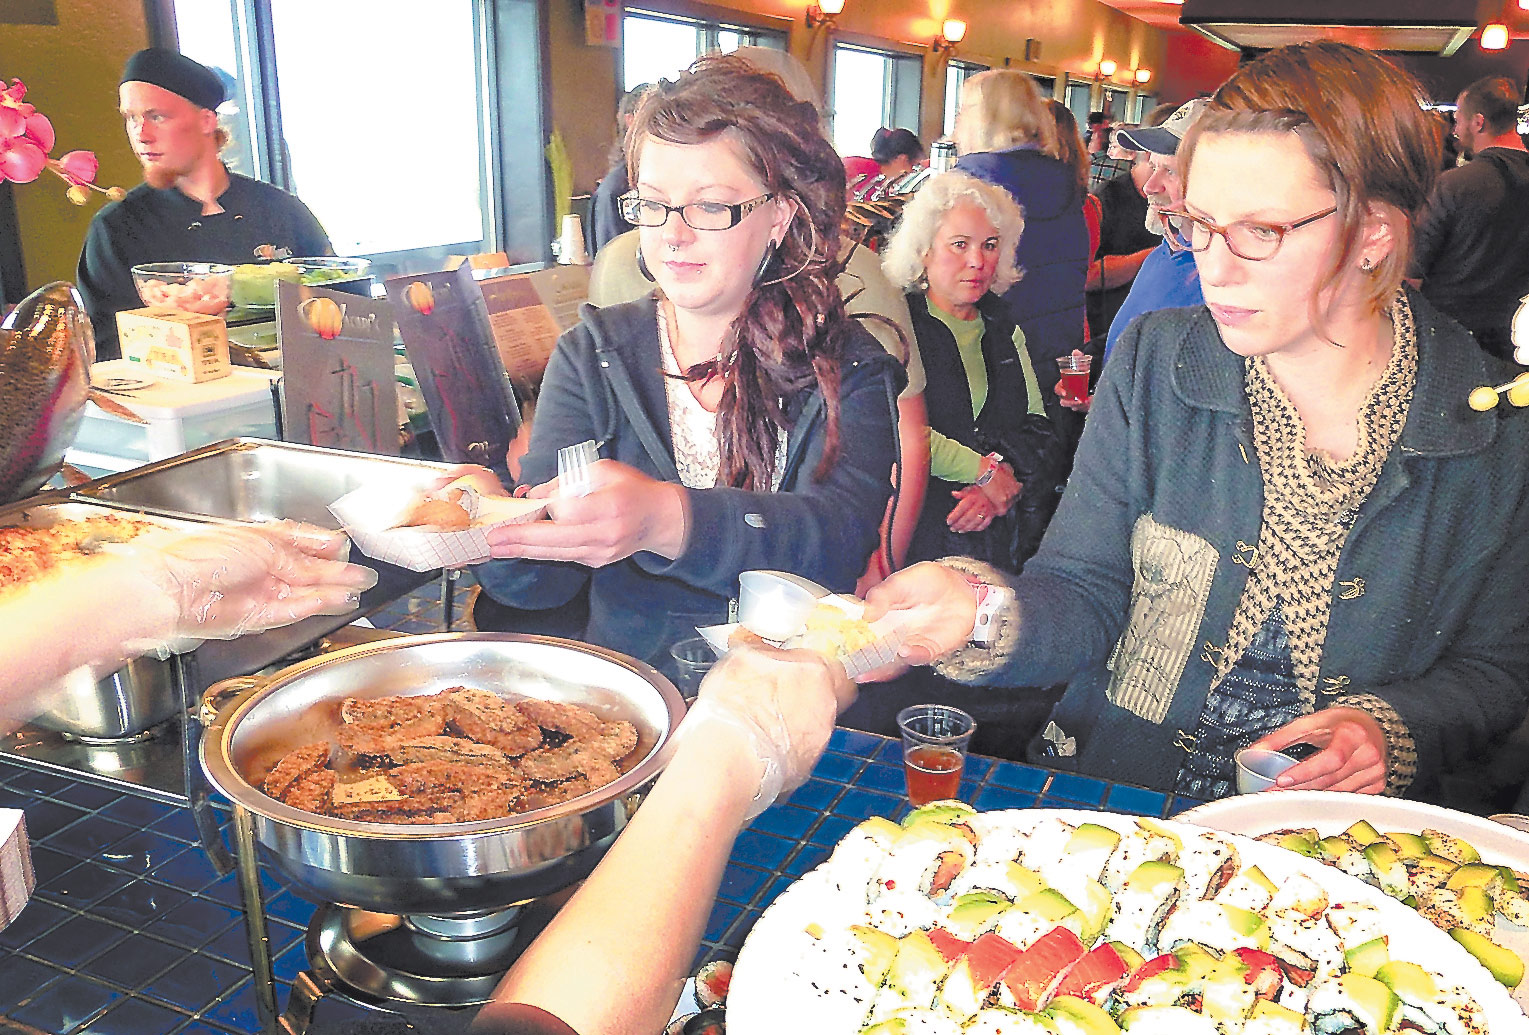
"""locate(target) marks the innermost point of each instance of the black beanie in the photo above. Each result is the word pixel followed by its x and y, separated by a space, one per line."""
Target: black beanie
pixel 177 73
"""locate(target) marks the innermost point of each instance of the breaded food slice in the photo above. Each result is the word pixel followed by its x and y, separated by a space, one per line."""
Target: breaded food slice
pixel 615 741
pixel 313 792
pixel 447 749
pixel 393 711
pixel 486 717
pixel 554 794
pixel 293 766
pixel 552 765
pixel 434 777
pixel 560 716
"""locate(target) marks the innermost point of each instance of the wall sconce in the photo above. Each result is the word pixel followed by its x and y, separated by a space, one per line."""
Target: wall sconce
pixel 1494 36
pixel 824 13
pixel 951 33
pixel 1106 70
pixel 1143 76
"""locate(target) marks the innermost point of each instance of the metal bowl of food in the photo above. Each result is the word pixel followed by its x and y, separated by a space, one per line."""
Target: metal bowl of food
pixel 124 705
pixel 440 868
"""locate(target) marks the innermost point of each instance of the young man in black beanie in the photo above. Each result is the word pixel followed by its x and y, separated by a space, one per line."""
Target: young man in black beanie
pixel 190 208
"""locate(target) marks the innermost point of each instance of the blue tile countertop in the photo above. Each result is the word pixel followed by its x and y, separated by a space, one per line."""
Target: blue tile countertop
pixel 131 932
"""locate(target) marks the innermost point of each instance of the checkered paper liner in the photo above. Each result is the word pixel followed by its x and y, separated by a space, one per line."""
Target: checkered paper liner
pixel 370 516
pixel 883 651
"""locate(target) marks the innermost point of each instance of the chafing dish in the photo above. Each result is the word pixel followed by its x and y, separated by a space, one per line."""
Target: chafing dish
pixel 458 886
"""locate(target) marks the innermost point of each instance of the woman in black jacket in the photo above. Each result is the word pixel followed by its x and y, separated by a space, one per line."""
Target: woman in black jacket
pixel 743 419
pixel 996 458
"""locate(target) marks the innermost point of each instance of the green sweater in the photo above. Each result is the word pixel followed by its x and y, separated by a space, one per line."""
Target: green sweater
pixel 949 459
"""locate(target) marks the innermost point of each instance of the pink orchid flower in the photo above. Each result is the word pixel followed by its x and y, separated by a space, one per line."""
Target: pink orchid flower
pixel 22 161
pixel 41 131
pixel 12 123
pixel 79 166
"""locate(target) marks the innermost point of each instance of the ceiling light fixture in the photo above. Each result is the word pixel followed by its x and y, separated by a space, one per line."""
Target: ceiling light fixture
pixel 1494 36
pixel 1143 76
pixel 951 33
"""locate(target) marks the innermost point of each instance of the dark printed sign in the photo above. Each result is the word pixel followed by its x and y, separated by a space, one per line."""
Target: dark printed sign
pixel 337 384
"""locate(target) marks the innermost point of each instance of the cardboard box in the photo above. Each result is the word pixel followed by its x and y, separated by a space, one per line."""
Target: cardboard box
pixel 178 346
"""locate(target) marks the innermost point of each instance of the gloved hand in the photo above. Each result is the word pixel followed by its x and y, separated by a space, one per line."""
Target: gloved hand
pixel 781 704
pixel 225 582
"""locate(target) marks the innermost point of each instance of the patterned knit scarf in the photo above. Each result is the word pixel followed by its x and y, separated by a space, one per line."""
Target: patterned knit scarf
pixel 1310 503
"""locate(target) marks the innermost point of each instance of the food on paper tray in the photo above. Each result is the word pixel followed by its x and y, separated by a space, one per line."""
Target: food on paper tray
pixel 28 552
pixel 444 512
pixel 1038 922
pixel 835 631
pixel 458 756
pixel 1441 876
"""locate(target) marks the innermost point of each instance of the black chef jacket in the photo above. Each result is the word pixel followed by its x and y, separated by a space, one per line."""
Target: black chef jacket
pixel 258 223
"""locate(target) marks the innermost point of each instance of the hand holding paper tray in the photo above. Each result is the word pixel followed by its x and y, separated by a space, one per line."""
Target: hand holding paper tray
pixel 371 517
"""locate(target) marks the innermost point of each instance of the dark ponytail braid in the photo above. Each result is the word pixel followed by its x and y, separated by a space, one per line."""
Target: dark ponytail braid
pixel 791 332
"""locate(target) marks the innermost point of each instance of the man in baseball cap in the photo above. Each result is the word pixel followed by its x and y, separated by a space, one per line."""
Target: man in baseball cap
pixel 1168 278
pixel 190 207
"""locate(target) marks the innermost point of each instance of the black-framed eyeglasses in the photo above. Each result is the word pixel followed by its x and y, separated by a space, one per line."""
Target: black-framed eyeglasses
pixel 698 215
pixel 1246 238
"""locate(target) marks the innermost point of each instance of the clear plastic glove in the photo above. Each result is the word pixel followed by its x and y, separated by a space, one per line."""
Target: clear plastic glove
pixel 780 704
pixel 226 582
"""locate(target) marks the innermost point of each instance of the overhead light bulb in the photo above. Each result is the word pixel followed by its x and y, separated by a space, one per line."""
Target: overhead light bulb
pixel 1107 67
pixel 954 30
pixel 1494 36
pixel 831 7
pixel 1144 75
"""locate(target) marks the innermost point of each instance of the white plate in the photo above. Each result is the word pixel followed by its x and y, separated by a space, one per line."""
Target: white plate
pixel 770 994
pixel 1331 812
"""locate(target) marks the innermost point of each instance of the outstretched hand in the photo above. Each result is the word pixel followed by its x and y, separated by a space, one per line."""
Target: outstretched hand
pixel 931 606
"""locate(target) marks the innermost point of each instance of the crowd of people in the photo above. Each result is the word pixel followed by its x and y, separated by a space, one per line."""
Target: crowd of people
pixel 1279 523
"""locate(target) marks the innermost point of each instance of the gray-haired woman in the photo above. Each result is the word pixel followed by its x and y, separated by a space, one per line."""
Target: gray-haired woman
pixel 996 457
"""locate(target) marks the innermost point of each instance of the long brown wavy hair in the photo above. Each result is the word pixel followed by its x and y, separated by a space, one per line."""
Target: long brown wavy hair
pixel 791 332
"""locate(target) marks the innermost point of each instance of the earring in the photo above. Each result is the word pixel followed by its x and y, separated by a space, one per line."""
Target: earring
pixel 642 266
pixel 764 263
pixel 1366 265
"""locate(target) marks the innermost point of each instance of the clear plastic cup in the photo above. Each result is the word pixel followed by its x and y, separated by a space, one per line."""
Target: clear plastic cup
pixel 693 658
pixel 935 737
pixel 1258 768
pixel 1075 369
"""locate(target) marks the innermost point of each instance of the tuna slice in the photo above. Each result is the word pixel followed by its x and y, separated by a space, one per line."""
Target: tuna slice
pixel 1033 978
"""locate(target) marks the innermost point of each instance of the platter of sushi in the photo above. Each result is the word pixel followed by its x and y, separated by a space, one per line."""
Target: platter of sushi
pixel 1468 875
pixel 1062 922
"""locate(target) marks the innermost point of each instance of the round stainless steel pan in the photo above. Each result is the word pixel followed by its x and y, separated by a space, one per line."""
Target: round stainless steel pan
pixel 443 869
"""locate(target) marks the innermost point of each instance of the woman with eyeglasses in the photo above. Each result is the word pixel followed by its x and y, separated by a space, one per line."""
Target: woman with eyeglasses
pixel 1285 525
pixel 743 420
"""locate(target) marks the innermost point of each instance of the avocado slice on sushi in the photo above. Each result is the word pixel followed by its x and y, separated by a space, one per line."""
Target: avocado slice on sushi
pixel 1409 981
pixel 1424 1005
pixel 1386 867
pixel 914 1021
pixel 1367 958
pixel 1452 848
pixel 1049 904
pixel 1132 958
pixel 1504 964
pixel 1089 848
pixel 878 950
pixel 940 812
pixel 1302 842
pixel 1002 1020
pixel 1475 875
pixel 1363 833
pixel 1073 1016
pixel 1352 1002
pixel 916 973
pixel 1226 997
pixel 975 913
pixel 1036 915
pixel 1409 846
pixel 1346 854
pixel 1165 1020
pixel 1273 1019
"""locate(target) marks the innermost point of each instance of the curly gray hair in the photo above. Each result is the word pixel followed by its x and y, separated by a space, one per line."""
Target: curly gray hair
pixel 903 258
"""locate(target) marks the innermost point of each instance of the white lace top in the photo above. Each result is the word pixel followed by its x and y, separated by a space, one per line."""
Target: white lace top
pixel 694 428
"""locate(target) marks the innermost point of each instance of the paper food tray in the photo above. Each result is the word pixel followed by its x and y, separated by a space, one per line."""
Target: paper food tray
pixel 857 663
pixel 370 515
pixel 17 878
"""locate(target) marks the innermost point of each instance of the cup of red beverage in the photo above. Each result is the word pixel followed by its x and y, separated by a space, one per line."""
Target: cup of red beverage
pixel 935 737
pixel 1075 370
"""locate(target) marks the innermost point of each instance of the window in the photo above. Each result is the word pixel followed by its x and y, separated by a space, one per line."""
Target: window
pixel 871 89
pixel 1144 103
pixel 1115 103
pixel 660 46
pixel 1076 98
pixel 956 73
pixel 391 139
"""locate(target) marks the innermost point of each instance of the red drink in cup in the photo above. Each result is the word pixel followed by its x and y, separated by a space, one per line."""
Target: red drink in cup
pixel 1075 371
pixel 934 750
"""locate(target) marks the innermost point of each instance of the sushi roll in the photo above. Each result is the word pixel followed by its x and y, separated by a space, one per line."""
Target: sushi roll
pixel 1226 996
pixel 1038 915
pixel 1304 943
pixel 927 857
pixel 1095 976
pixel 1301 893
pixel 1470 908
pixel 975 913
pixel 859 855
pixel 1388 873
pixel 1215 925
pixel 1345 853
pixel 1208 863
pixel 845 967
pixel 1455 849
pixel 913 979
pixel 1088 850
pixel 1000 837
pixel 1250 889
pixel 901 911
pixel 1143 903
pixel 1009 879
pixel 1351 1003
pixel 913 1021
pixel 1078 1017
pixel 1047 844
pixel 1165 1020
pixel 970 983
pixel 1163 980
pixel 1147 843
pixel 1034 975
pixel 1355 923
pixel 1272 1019
pixel 1425 1006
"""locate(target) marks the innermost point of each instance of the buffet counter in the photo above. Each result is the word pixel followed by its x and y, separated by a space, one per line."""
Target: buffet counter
pixel 131 929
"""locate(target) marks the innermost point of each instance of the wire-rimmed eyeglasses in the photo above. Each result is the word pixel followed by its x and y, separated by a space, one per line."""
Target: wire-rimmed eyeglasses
pixel 698 215
pixel 1246 238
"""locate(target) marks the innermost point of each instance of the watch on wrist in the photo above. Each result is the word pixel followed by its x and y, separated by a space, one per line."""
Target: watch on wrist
pixel 990 600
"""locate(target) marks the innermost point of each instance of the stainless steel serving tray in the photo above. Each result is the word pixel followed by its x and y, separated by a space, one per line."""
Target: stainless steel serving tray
pixel 250 480
pixel 442 869
pixel 137 697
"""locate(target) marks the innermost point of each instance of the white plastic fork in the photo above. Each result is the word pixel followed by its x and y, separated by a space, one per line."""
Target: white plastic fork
pixel 573 463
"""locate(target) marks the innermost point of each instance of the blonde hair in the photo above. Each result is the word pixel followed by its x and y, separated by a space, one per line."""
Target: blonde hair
pixel 903 258
pixel 1002 108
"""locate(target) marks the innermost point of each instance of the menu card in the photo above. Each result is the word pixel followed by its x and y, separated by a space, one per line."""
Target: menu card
pixel 449 341
pixel 528 311
pixel 337 385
